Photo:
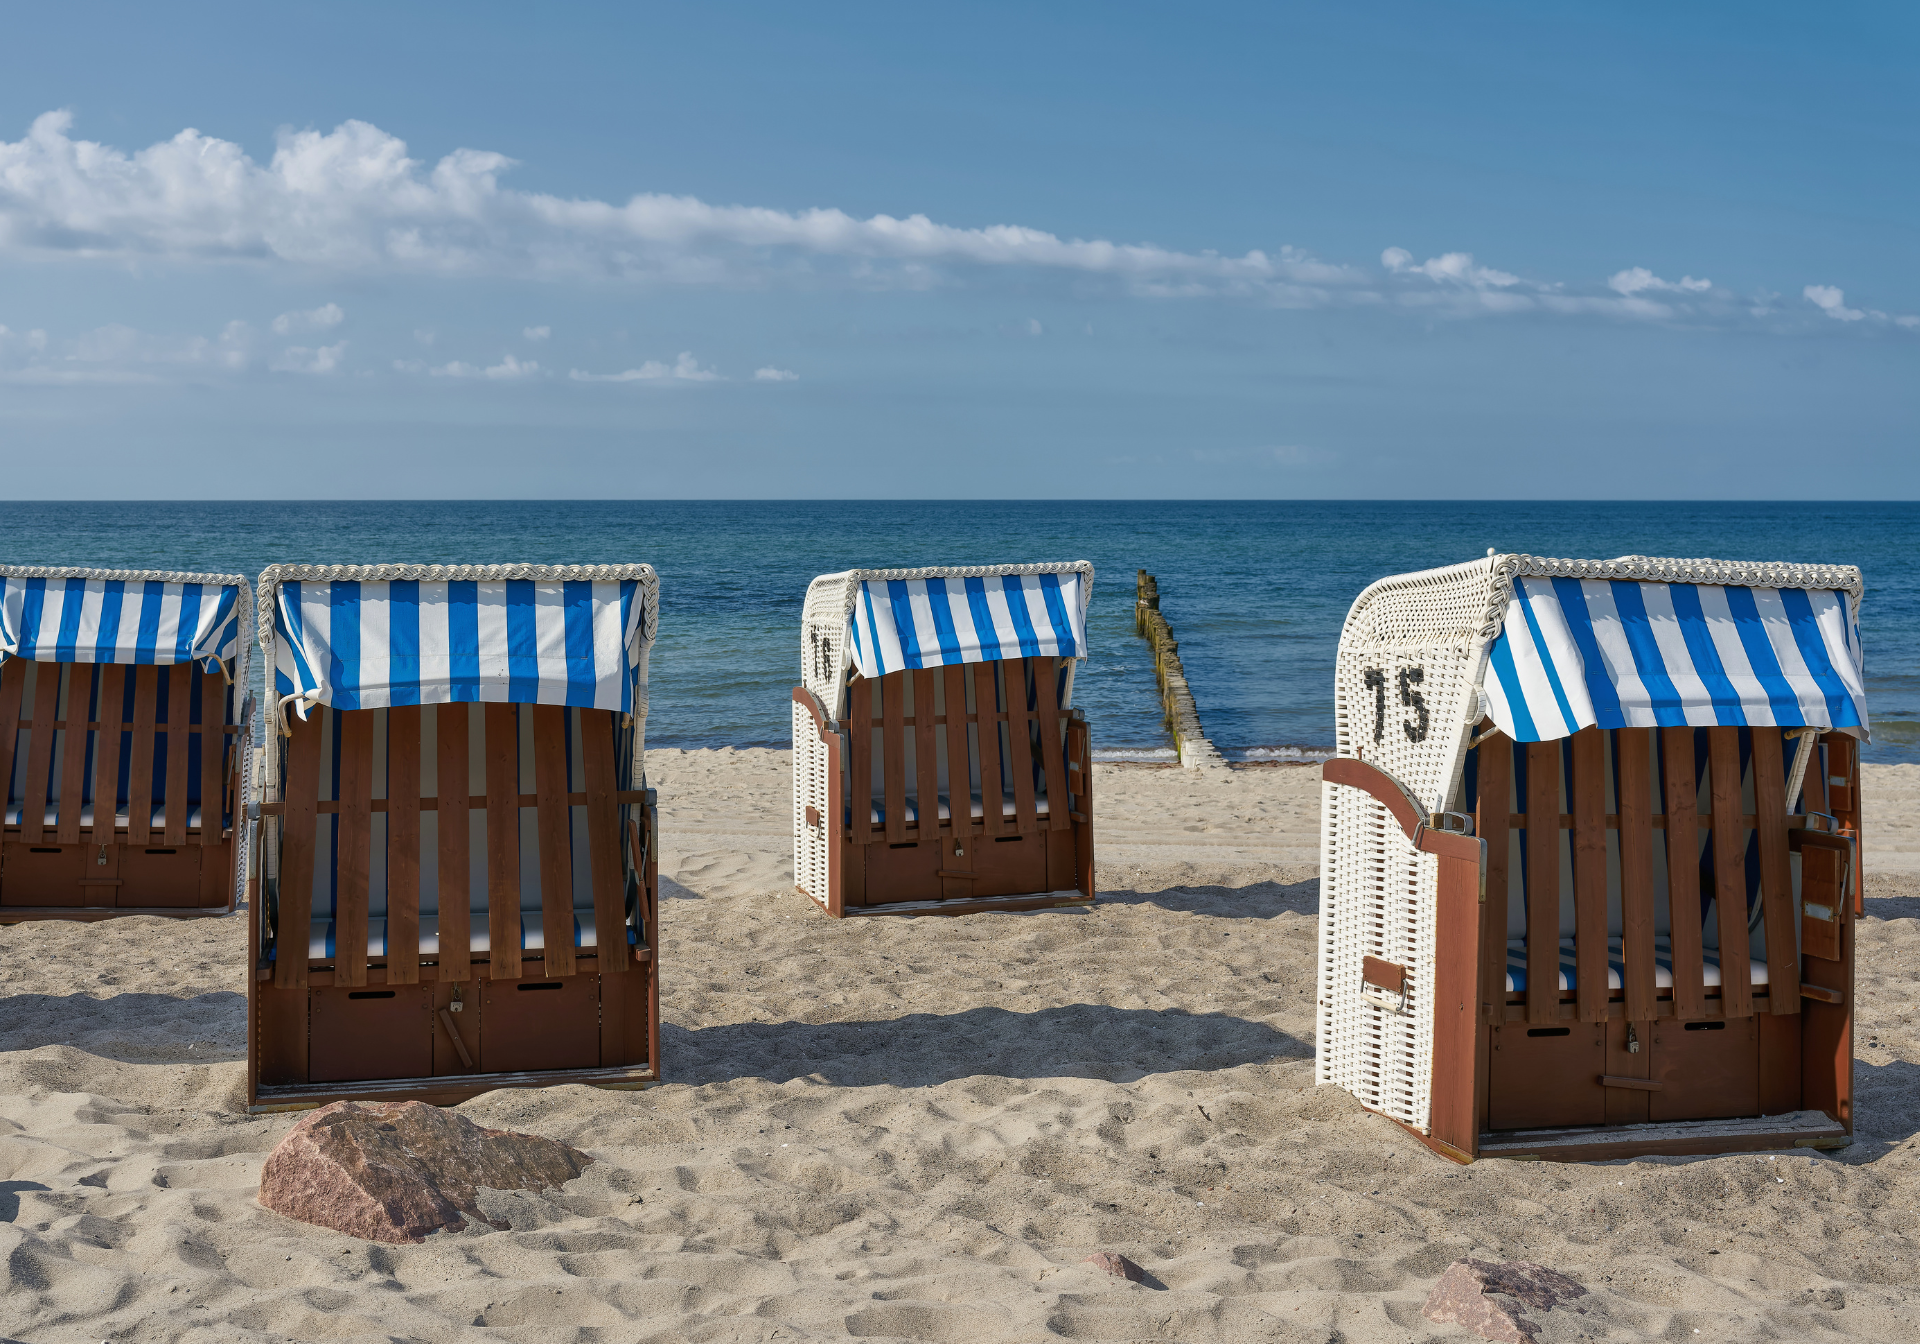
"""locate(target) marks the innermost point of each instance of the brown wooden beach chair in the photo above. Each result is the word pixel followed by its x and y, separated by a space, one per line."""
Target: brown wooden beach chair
pixel 1591 857
pixel 122 729
pixel 939 767
pixel 459 886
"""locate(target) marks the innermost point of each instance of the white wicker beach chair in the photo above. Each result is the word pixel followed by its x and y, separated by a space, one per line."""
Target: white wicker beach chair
pixel 938 764
pixel 122 727
pixel 459 885
pixel 1588 856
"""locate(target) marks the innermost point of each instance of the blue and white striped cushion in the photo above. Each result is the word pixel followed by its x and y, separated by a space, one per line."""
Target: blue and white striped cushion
pixel 1616 966
pixel 321 943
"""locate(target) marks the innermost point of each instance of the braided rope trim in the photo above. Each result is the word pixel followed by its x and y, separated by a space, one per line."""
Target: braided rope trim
pixel 130 575
pixel 274 575
pixel 855 577
pixel 1665 569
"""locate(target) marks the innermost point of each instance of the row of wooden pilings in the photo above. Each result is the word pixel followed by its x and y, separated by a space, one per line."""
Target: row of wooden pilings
pixel 1176 699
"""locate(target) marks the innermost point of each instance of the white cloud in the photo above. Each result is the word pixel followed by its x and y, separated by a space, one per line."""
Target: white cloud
pixel 299 359
pixel 772 375
pixel 121 354
pixel 1454 268
pixel 1832 302
pixel 352 199
pixel 536 333
pixel 1034 328
pixel 425 336
pixel 1639 279
pixel 507 370
pixel 316 319
pixel 685 369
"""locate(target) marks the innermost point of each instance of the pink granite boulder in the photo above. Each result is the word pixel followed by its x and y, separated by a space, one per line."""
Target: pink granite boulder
pixel 1488 1298
pixel 399 1170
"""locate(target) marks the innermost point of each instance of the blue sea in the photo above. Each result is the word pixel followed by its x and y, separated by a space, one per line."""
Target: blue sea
pixel 1255 590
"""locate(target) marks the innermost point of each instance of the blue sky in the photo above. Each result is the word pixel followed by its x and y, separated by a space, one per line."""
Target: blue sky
pixel 1526 250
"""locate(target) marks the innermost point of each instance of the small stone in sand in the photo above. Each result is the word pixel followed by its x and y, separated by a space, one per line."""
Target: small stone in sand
pixel 1117 1265
pixel 397 1171
pixel 1470 1294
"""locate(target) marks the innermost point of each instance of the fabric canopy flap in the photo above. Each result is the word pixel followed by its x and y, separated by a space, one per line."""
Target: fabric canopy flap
pixel 375 644
pixel 1575 653
pixel 119 620
pixel 938 622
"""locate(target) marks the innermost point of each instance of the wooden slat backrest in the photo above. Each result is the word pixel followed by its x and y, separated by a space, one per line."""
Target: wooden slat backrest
pixel 597 745
pixel 1491 823
pixel 1634 762
pixel 1589 805
pixel 111 711
pixel 213 755
pixel 553 828
pixel 453 827
pixel 893 755
pixel 146 697
pixel 860 747
pixel 986 696
pixel 298 829
pixel 46 702
pixel 1020 746
pixel 13 683
pixel 926 753
pixel 355 731
pixel 179 738
pixel 1730 870
pixel 1776 875
pixel 1046 687
pixel 1543 882
pixel 503 840
pixel 73 753
pixel 1682 805
pixel 403 845
pixel 959 767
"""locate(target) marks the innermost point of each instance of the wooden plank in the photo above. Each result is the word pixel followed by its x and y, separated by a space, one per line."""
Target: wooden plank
pixel 1543 883
pixel 503 840
pixel 1589 804
pixel 926 756
pixel 1729 870
pixel 553 833
pixel 300 790
pixel 33 806
pixel 860 744
pixel 355 854
pixel 1046 682
pixel 1683 870
pixel 106 751
pixel 1635 772
pixel 603 837
pixel 1020 746
pixel 453 834
pixel 1776 874
pixel 179 745
pixel 892 690
pixel 986 699
pixel 73 755
pixel 403 845
pixel 1494 803
pixel 213 744
pixel 1454 1117
pixel 13 683
pixel 146 695
pixel 959 762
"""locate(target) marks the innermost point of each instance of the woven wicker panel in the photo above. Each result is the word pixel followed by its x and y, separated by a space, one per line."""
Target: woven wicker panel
pixel 810 790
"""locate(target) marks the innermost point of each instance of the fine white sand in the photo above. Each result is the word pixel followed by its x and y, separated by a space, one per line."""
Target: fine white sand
pixel 915 1129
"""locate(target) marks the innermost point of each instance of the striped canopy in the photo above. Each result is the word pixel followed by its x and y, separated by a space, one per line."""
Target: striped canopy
pixel 363 644
pixel 1617 653
pixel 937 622
pixel 134 620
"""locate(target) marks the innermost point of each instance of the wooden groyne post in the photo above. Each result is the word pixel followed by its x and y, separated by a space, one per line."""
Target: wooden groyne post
pixel 1176 699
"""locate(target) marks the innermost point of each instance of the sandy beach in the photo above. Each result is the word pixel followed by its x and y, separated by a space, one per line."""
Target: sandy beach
pixel 916 1129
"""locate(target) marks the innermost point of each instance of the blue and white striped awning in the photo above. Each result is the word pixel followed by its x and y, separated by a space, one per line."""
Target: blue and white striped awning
pixel 1617 653
pixel 376 644
pixel 914 623
pixel 107 620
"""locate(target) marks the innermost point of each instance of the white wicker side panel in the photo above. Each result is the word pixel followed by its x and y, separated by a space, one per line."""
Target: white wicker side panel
pixel 1376 899
pixel 810 759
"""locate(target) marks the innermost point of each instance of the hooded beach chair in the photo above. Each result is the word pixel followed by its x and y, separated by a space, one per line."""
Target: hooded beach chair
pixel 122 729
pixel 457 840
pixel 938 764
pixel 1589 856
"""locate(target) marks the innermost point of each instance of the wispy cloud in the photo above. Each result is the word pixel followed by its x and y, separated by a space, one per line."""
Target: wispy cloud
pixel 1640 280
pixel 508 369
pixel 1832 301
pixel 314 319
pixel 536 333
pixel 299 359
pixel 121 354
pixel 772 375
pixel 684 369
